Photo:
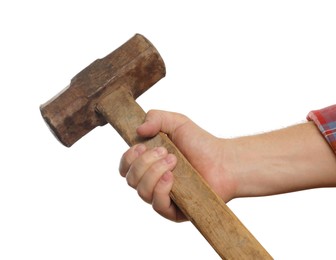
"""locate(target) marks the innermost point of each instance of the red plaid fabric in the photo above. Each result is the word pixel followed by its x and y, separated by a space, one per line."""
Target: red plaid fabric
pixel 325 119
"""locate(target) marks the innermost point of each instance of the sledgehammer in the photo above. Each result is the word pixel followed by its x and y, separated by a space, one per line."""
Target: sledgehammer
pixel 105 92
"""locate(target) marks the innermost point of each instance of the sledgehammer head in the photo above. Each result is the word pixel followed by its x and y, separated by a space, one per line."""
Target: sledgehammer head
pixel 72 113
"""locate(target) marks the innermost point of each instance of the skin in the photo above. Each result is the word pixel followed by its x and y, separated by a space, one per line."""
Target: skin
pixel 286 160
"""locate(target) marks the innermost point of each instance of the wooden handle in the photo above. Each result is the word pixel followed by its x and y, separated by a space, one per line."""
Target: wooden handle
pixel 216 222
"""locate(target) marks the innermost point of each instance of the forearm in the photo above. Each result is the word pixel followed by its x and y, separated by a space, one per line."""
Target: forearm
pixel 286 160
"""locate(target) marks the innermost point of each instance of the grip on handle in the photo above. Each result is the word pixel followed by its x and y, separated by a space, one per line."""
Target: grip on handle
pixel 210 215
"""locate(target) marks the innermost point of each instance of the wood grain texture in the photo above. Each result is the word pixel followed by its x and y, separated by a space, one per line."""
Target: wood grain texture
pixel 210 215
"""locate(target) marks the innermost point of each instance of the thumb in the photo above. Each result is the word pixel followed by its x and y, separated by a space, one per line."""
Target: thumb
pixel 161 121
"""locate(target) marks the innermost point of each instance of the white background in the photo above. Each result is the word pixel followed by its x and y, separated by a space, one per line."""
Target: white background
pixel 234 67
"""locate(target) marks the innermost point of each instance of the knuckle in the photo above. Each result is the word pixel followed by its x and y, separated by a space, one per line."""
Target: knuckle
pixel 158 208
pixel 157 167
pixel 125 162
pixel 181 116
pixel 131 180
pixel 145 160
pixel 151 157
pixel 152 112
pixel 144 194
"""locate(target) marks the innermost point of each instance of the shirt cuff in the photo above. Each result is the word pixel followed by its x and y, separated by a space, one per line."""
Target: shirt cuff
pixel 325 120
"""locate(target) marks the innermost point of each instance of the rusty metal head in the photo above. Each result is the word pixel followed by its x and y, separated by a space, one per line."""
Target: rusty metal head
pixel 72 113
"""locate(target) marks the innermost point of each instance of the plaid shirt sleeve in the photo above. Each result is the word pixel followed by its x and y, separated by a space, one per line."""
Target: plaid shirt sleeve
pixel 325 120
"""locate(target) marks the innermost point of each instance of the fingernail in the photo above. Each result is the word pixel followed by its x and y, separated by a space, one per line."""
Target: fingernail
pixel 166 177
pixel 160 151
pixel 170 159
pixel 140 149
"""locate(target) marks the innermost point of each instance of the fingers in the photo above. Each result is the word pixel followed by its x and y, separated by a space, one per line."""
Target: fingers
pixel 143 169
pixel 149 180
pixel 162 203
pixel 149 171
pixel 129 156
pixel 150 161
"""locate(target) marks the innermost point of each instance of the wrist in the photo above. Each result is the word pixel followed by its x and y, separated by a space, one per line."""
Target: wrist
pixel 290 159
pixel 257 164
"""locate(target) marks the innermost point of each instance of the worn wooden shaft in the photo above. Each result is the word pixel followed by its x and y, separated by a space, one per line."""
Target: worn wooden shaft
pixel 211 216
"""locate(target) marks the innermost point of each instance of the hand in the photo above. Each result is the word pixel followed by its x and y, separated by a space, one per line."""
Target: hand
pixel 290 159
pixel 149 171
